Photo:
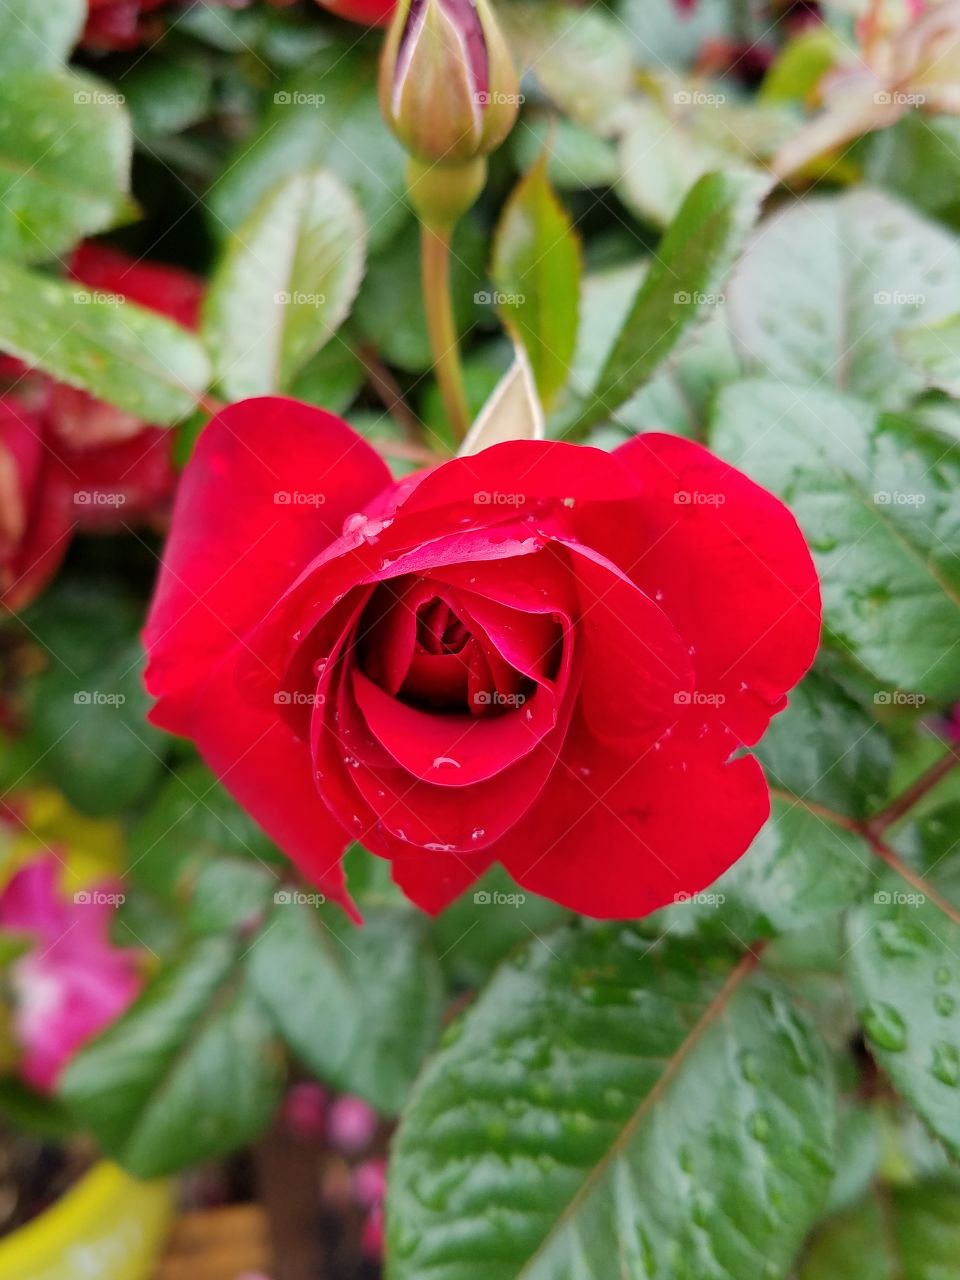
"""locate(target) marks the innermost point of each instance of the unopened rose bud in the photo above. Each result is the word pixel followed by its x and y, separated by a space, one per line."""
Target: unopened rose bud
pixel 448 88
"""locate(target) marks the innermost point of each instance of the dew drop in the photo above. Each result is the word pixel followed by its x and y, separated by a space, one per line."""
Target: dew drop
pixel 885 1027
pixel 478 833
pixel 946 1063
pixel 760 1126
pixel 943 975
pixel 440 761
pixel 944 1004
pixel 353 522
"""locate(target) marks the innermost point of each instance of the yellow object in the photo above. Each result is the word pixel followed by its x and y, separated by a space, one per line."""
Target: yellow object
pixel 108 1227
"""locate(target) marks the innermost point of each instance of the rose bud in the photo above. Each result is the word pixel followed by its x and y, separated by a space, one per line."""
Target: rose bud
pixel 448 88
pixel 72 982
pixel 542 655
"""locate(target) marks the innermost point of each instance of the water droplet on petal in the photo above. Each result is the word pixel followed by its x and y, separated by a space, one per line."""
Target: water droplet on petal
pixel 946 1063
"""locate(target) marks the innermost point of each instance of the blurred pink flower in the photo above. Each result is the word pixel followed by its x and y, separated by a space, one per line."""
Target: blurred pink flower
pixel 72 982
pixel 351 1125
pixel 305 1111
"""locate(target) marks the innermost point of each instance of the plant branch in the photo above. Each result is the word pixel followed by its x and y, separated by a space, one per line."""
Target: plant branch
pixel 902 804
pixel 442 327
pixel 388 390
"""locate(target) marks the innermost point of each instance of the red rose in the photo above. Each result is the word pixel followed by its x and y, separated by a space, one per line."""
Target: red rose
pixel 542 655
pixel 69 461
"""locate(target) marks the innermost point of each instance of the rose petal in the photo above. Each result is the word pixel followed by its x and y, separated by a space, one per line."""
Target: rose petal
pixel 617 837
pixel 235 545
pixel 732 570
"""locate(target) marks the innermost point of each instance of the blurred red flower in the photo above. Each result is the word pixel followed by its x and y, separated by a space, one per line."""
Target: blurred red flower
pixel 69 461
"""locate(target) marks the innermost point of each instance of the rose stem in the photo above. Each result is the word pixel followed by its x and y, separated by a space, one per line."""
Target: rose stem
pixel 442 328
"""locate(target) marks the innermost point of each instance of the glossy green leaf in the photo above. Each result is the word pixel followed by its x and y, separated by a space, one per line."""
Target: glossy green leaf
pixel 876 498
pixel 326 116
pixel 119 352
pixel 167 95
pixel 191 822
pixel 88 717
pixel 39 35
pixel 934 351
pixel 903 966
pixel 359 1007
pixel 191 1071
pixel 664 150
pixel 824 749
pixel 826 285
pixel 285 284
pixel 580 57
pixel 689 270
pixel 536 273
pixel 608 1103
pixel 64 161
pixel 897 1233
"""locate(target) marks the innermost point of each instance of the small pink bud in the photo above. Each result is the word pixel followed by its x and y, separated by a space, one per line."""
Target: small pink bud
pixel 351 1125
pixel 370 1182
pixel 371 1238
pixel 305 1112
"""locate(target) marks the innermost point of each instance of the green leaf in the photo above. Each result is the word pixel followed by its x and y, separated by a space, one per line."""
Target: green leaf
pixel 663 150
pixel 64 161
pixel 191 822
pixel 39 35
pixel 166 95
pixel 897 1233
pixel 191 1071
pixel 576 158
pixel 285 284
pixel 934 351
pixel 331 379
pixel 903 967
pixel 608 1104
pixel 826 750
pixel 800 66
pixel 822 291
pixel 581 58
pixel 691 265
pixel 917 159
pixel 484 924
pixel 876 498
pixel 230 893
pixel 536 271
pixel 389 311
pixel 327 116
pixel 360 1007
pixel 119 352
pixel 88 716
